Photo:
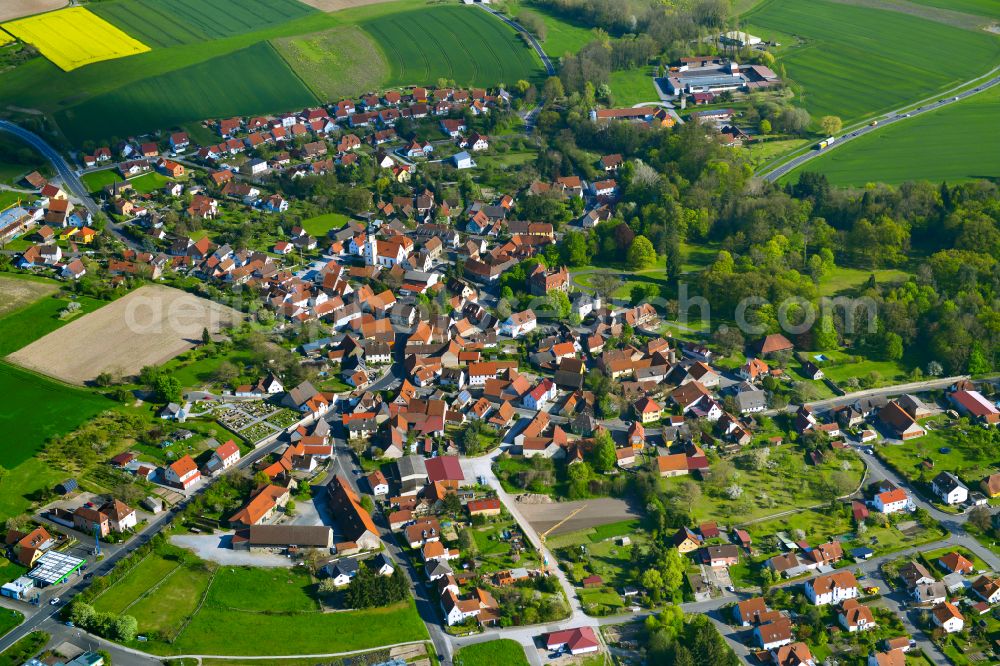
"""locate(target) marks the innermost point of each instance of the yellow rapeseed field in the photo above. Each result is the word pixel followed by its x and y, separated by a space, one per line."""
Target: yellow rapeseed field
pixel 74 37
pixel 5 38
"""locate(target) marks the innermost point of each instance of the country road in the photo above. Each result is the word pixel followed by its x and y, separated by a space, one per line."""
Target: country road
pixel 549 67
pixel 883 121
pixel 69 177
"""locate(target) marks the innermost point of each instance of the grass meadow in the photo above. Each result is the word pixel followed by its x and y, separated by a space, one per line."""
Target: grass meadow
pixel 958 142
pixel 253 80
pixel 857 62
pixel 499 652
pixel 335 63
pixel 562 36
pixel 181 602
pixel 469 46
pixel 36 407
pixel 632 86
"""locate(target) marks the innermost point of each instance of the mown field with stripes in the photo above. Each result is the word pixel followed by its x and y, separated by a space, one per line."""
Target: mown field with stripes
pixel 453 42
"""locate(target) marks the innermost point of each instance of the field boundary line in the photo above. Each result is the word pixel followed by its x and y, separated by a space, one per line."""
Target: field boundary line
pixel 123 577
pixel 295 74
pixel 154 588
pixel 201 604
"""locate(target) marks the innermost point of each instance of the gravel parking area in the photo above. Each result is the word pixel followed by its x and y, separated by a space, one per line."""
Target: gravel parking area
pixel 216 548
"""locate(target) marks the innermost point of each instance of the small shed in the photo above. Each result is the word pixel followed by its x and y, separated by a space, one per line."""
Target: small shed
pixel 67 486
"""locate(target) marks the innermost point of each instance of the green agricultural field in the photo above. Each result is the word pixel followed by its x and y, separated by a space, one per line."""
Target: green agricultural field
pixel 857 62
pixel 468 45
pixel 336 63
pixel 37 408
pixel 500 652
pixel 26 325
pixel 562 36
pixel 253 80
pixel 164 23
pixel 98 180
pixel 958 142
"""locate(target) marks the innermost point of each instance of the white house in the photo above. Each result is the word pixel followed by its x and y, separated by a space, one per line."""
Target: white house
pixel 224 457
pixel 540 396
pixel 463 160
pixel 947 617
pixel 892 501
pixel 519 323
pixel 832 588
pixel 951 491
pixel 182 473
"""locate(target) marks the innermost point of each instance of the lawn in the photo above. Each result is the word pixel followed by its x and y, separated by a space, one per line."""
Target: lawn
pixel 469 46
pixel 947 449
pixel 149 182
pixel 561 37
pixel 300 633
pixel 284 620
pixel 841 279
pixel 632 86
pixel 766 493
pixel 840 367
pixel 9 619
pixel 253 80
pixel 336 63
pixel 857 62
pixel 238 589
pixel 125 592
pixel 955 143
pixel 98 180
pixel 318 226
pixel 500 652
pixel 164 23
pixel 168 606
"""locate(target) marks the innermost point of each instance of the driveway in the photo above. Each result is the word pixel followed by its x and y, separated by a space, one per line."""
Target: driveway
pixel 217 548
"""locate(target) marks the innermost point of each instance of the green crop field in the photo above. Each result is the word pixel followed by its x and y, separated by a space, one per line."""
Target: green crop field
pixel 163 23
pixel 253 80
pixel 336 63
pixel 452 42
pixel 36 408
pixel 958 142
pixel 856 62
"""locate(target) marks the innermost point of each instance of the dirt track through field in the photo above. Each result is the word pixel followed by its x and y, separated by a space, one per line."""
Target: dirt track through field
pixel 150 326
pixel 600 511
pixel 12 9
